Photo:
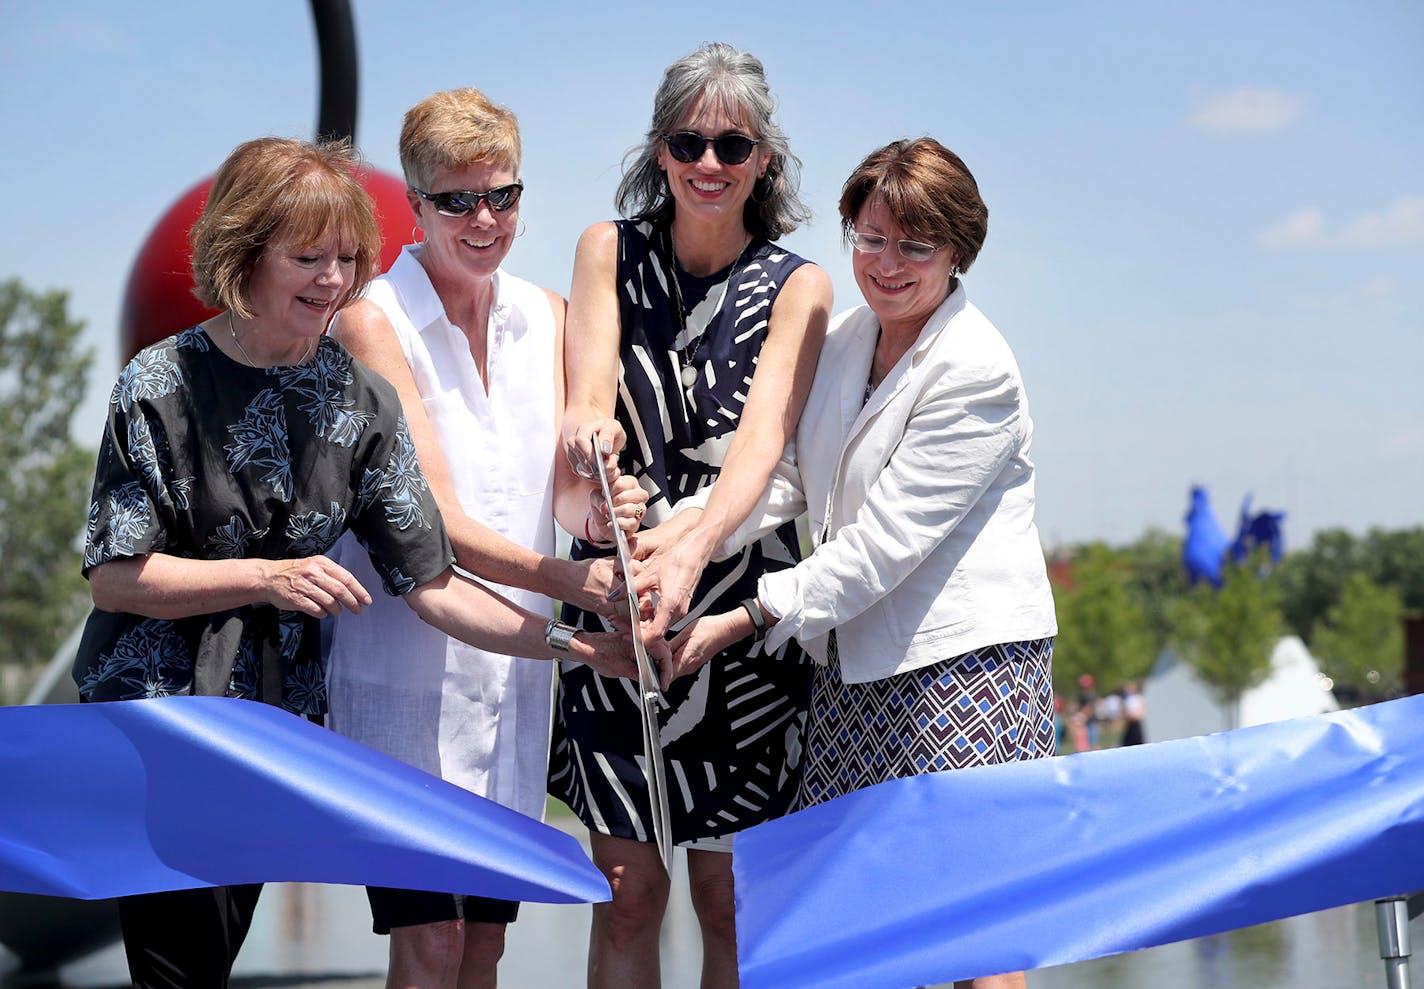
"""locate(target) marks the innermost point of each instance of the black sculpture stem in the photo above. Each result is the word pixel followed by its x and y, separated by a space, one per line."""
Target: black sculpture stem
pixel 336 56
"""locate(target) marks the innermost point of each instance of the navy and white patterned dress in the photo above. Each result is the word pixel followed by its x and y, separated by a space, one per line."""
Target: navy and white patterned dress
pixel 732 734
pixel 205 458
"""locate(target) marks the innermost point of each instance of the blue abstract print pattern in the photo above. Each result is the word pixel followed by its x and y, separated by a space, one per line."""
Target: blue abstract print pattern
pixel 732 733
pixel 986 707
pixel 150 659
pixel 406 493
pixel 311 450
pixel 260 440
pixel 152 374
pixel 321 385
pixel 118 525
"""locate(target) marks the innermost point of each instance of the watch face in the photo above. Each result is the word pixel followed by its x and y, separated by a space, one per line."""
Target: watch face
pixel 559 635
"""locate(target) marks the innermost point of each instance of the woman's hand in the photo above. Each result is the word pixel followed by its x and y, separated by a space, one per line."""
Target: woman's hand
pixel 590 586
pixel 583 452
pixel 608 654
pixel 630 504
pixel 673 570
pixel 313 585
pixel 704 638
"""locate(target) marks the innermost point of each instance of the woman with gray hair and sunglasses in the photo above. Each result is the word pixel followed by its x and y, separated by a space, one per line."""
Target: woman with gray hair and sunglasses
pixel 692 342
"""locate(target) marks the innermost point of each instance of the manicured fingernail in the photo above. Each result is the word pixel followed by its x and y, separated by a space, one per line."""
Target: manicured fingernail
pixel 607 446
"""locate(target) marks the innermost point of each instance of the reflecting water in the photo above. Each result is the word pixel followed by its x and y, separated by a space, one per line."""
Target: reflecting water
pixel 310 932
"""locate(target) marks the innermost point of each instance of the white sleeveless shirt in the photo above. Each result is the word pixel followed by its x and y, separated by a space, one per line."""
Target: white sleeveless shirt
pixel 478 719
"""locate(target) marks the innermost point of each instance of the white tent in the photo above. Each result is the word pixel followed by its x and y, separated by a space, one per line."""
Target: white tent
pixel 1180 705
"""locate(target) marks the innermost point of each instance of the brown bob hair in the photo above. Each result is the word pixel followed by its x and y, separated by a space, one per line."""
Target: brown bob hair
pixel 276 189
pixel 927 189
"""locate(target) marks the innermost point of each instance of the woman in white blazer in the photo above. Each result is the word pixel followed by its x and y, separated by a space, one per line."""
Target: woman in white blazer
pixel 926 602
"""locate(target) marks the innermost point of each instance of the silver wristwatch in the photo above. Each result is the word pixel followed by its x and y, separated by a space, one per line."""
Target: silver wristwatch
pixel 559 634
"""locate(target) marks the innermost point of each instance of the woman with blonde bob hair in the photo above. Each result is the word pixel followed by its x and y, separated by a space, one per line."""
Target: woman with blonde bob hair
pixel 926 602
pixel 476 355
pixel 236 453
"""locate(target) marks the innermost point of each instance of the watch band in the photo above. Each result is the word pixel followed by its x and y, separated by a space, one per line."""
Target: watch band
pixel 753 607
pixel 559 634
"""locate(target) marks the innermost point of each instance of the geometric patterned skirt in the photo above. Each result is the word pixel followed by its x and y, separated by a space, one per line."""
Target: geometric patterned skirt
pixel 985 707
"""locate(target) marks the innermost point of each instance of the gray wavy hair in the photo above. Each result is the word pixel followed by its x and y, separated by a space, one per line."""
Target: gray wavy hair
pixel 735 82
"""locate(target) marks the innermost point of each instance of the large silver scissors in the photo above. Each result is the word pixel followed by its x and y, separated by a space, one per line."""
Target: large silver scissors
pixel 650 694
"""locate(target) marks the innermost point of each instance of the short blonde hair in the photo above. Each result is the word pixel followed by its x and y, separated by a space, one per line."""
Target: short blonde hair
pixel 278 190
pixel 454 129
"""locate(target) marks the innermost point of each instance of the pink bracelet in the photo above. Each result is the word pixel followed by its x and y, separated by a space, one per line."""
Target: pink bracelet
pixel 588 535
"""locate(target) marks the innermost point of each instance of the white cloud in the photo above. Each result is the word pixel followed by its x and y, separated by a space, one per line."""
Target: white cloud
pixel 1379 286
pixel 1399 226
pixel 1404 441
pixel 1303 228
pixel 1247 111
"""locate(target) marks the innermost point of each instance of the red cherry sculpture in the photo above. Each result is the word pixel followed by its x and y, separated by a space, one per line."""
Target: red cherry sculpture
pixel 159 301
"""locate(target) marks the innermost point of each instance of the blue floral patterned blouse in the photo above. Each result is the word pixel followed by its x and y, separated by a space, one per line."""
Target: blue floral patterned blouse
pixel 205 458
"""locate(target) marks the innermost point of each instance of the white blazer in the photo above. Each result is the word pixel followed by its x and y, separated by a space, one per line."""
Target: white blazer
pixel 920 502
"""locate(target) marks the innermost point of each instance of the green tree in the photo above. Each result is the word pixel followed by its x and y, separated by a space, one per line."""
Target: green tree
pixel 44 475
pixel 1310 579
pixel 1101 626
pixel 1157 581
pixel 1360 641
pixel 1396 559
pixel 1236 630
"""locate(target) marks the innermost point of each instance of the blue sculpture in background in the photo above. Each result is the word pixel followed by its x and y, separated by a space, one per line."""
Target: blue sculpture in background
pixel 1205 548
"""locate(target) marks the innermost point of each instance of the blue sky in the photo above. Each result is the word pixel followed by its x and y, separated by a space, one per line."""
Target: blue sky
pixel 1206 221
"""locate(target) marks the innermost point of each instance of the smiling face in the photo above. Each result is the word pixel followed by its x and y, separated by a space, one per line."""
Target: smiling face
pixel 903 294
pixel 295 289
pixel 709 187
pixel 460 249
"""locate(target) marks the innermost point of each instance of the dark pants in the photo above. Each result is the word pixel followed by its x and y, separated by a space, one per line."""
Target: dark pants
pixel 187 938
pixel 410 907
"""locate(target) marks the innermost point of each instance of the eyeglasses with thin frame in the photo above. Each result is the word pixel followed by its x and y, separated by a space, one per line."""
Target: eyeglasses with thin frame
pixel 688 146
pixel 463 202
pixel 910 250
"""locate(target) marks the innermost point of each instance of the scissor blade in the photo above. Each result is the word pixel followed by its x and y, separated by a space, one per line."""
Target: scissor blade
pixel 649 692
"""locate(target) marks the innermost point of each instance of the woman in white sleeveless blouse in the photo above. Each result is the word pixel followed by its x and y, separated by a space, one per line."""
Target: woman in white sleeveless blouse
pixel 476 355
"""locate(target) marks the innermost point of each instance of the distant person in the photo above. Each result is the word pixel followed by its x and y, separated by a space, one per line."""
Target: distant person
pixel 1134 711
pixel 476 355
pixel 1087 707
pixel 926 601
pixel 1107 712
pixel 237 453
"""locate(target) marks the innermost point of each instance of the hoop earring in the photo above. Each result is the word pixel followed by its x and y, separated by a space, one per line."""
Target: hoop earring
pixel 415 233
pixel 520 233
pixel 761 189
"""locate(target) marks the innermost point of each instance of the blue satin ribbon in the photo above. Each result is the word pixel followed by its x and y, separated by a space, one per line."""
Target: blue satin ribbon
pixel 960 874
pixel 101 800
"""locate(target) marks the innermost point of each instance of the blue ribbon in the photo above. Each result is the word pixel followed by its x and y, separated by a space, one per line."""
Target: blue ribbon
pixel 101 800
pixel 972 872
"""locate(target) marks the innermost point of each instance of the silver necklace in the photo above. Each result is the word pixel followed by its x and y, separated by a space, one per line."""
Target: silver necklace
pixel 243 350
pixel 690 366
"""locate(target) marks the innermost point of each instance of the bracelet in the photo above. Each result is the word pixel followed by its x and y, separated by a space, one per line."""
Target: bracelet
pixel 559 635
pixel 588 535
pixel 754 611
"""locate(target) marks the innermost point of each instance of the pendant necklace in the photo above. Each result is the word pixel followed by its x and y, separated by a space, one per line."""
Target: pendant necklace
pixel 690 367
pixel 243 350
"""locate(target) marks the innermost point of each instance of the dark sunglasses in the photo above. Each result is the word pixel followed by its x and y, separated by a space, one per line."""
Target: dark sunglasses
pixel 688 146
pixel 463 202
